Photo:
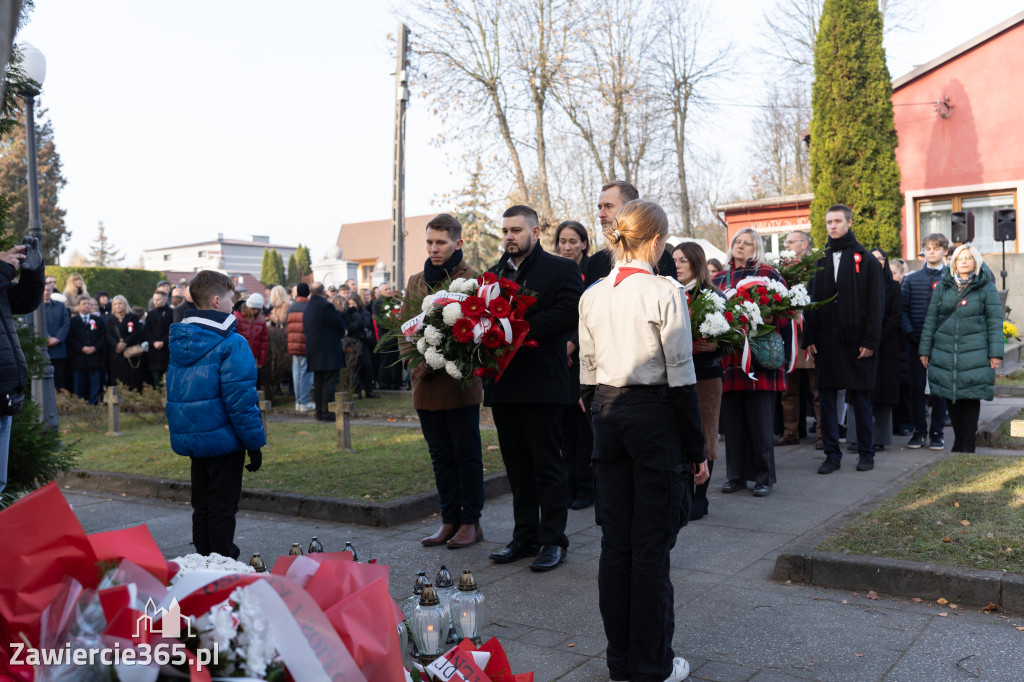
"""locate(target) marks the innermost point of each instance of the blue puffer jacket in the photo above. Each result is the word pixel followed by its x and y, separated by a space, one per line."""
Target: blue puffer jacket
pixel 212 406
pixel 917 294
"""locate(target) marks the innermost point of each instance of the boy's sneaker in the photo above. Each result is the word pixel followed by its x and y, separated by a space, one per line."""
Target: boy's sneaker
pixel 304 407
pixel 936 443
pixel 680 670
pixel 916 440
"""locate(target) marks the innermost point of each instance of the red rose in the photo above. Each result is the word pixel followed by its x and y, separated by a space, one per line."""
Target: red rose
pixel 776 298
pixel 764 300
pixel 487 278
pixel 743 319
pixel 474 306
pixel 462 330
pixel 493 338
pixel 499 307
pixel 746 295
pixel 727 315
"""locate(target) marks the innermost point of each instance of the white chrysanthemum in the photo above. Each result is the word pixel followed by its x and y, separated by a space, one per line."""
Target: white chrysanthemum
pixel 718 301
pixel 798 296
pixel 213 562
pixel 254 640
pixel 451 313
pixel 433 335
pixel 714 324
pixel 218 627
pixel 457 284
pixel 777 287
pixel 421 346
pixel 434 359
pixel 453 370
pixel 469 286
pixel 753 312
pixel 787 254
pixel 428 301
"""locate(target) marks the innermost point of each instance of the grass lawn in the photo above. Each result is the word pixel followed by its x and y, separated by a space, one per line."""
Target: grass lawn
pixel 966 511
pixel 1012 379
pixel 389 462
pixel 396 405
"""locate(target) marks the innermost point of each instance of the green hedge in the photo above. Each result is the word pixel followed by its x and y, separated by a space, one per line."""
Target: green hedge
pixel 135 285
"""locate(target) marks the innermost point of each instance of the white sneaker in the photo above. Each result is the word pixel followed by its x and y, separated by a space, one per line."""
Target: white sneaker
pixel 299 407
pixel 680 670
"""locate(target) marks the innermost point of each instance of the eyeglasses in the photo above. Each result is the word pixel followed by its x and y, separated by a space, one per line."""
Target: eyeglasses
pixel 741 243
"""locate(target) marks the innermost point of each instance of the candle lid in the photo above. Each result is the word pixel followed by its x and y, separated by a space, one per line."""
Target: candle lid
pixel 429 596
pixel 467 583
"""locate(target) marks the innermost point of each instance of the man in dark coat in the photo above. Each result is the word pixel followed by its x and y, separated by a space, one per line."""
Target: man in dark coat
pixel 529 398
pixel 612 198
pixel 844 334
pixel 16 298
pixel 58 322
pixel 324 329
pixel 87 350
pixel 158 332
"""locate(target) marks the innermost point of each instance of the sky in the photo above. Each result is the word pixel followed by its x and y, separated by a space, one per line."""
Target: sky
pixel 178 121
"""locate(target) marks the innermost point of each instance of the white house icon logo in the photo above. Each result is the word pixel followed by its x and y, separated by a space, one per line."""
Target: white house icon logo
pixel 170 621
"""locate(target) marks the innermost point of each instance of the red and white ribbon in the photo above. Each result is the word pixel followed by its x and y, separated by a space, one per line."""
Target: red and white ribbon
pixel 412 326
pixel 489 292
pixel 447 297
pixel 486 323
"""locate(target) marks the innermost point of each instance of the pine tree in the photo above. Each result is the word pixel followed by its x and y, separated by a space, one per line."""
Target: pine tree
pixel 293 271
pixel 302 261
pixel 480 240
pixel 102 254
pixel 278 269
pixel 853 139
pixel 266 264
pixel 14 182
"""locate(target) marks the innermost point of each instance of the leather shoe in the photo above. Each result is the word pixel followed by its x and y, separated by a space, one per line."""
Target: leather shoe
pixel 514 551
pixel 580 503
pixel 734 486
pixel 782 440
pixel 549 557
pixel 466 537
pixel 762 490
pixel 443 535
pixel 828 466
pixel 865 463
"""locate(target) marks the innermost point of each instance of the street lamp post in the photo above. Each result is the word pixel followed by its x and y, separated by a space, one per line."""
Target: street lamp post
pixel 35 68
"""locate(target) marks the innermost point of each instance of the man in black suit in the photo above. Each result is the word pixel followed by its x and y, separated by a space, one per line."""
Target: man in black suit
pixel 324 328
pixel 158 332
pixel 87 347
pixel 613 196
pixel 528 401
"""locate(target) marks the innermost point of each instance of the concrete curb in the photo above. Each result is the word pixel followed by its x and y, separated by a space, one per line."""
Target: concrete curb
pixel 973 587
pixel 341 509
pixel 988 431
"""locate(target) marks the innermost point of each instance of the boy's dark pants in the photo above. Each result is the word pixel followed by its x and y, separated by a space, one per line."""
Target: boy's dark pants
pixel 216 489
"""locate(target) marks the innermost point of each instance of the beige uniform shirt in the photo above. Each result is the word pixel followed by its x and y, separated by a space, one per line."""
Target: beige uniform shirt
pixel 636 333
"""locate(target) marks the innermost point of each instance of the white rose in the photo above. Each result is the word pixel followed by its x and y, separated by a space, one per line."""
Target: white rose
pixel 453 370
pixel 451 313
pixel 433 335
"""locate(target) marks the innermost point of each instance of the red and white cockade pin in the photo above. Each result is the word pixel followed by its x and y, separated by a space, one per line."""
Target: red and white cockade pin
pixel 856 261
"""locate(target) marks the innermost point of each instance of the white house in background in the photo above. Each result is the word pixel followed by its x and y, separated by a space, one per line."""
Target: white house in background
pixel 710 250
pixel 230 256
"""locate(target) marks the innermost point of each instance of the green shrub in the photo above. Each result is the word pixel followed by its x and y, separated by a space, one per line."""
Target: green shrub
pixel 135 285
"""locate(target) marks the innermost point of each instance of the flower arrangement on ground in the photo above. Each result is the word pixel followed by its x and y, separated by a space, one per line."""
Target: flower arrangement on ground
pixel 1009 331
pixel 466 327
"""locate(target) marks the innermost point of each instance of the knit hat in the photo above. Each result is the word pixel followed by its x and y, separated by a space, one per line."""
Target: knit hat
pixel 254 301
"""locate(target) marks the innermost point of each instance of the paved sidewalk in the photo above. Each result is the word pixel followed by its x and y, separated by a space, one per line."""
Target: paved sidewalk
pixel 732 622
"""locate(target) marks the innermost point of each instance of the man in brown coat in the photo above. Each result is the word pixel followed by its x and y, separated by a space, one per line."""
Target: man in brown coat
pixel 449 414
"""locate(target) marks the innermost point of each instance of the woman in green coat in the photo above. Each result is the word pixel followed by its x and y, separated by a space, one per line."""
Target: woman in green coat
pixel 962 341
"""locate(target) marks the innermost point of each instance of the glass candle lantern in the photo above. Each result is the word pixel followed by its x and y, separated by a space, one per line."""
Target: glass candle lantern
pixel 315 546
pixel 257 563
pixel 428 625
pixel 467 609
pixel 296 550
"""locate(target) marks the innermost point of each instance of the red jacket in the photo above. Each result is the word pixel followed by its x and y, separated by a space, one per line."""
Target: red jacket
pixel 255 332
pixel 296 333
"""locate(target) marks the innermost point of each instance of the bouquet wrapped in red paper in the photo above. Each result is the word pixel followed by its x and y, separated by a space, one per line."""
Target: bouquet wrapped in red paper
pixel 466 327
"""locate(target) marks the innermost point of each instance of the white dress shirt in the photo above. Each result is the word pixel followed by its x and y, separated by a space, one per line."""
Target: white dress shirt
pixel 636 333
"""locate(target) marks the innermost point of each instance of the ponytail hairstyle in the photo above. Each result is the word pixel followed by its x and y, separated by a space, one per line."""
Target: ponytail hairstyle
pixel 636 232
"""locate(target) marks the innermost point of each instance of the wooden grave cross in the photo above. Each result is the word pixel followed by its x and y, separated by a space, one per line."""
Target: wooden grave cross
pixel 342 408
pixel 264 406
pixel 112 400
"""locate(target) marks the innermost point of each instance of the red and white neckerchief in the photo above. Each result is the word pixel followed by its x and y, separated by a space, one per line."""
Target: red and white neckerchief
pixel 626 272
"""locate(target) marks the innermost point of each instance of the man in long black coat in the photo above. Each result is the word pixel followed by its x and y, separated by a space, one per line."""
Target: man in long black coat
pixel 528 400
pixel 844 335
pixel 324 328
pixel 158 332
pixel 87 351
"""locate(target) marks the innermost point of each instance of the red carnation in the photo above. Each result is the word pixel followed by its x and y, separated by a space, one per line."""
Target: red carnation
pixel 764 300
pixel 776 298
pixel 493 338
pixel 727 315
pixel 746 295
pixel 474 306
pixel 743 319
pixel 499 307
pixel 487 278
pixel 462 330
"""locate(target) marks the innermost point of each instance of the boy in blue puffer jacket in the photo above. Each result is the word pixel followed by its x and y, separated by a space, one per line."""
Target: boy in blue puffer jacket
pixel 213 411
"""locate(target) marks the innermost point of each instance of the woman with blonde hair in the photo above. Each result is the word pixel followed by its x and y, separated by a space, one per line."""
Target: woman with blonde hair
pixel 74 289
pixel 748 405
pixel 962 341
pixel 279 303
pixel 279 362
pixel 637 382
pixel 124 330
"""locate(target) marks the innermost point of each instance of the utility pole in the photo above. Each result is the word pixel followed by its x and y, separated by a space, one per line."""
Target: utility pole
pixel 398 190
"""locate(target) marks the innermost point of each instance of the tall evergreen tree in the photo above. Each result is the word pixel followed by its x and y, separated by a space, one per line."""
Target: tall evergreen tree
pixel 266 266
pixel 278 273
pixel 293 271
pixel 14 182
pixel 853 139
pixel 303 261
pixel 102 253
pixel 480 241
